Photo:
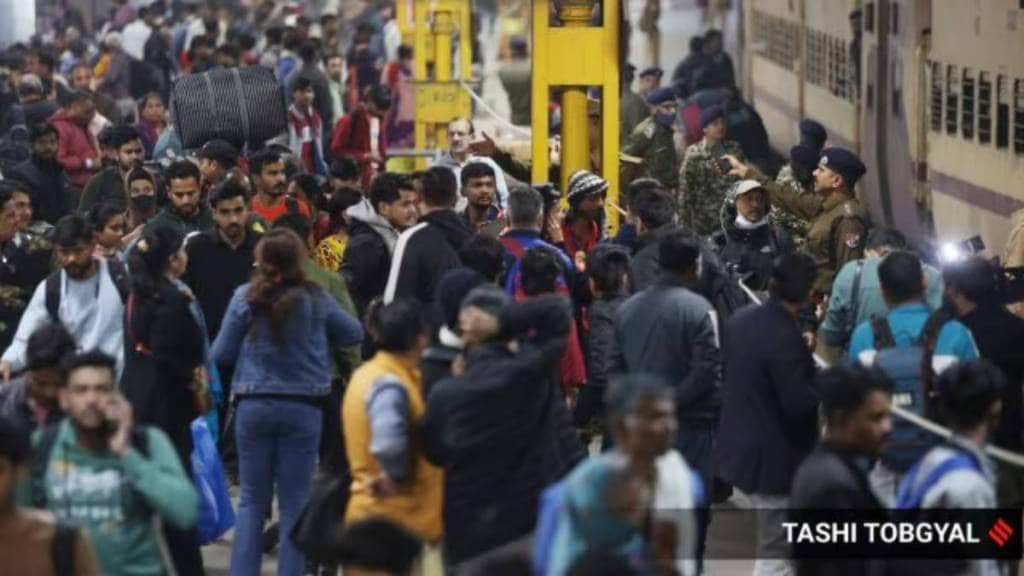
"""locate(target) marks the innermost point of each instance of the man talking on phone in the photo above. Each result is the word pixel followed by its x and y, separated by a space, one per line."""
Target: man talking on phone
pixel 704 178
pixel 98 470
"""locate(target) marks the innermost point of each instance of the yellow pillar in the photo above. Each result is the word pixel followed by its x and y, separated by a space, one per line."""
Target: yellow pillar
pixel 444 27
pixel 575 136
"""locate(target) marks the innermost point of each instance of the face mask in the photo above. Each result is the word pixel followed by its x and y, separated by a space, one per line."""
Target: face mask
pixel 665 119
pixel 143 204
pixel 743 224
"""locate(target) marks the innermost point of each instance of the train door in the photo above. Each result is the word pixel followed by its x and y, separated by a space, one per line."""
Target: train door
pixel 892 29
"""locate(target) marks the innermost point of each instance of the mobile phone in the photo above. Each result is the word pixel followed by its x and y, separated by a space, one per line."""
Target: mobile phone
pixel 724 165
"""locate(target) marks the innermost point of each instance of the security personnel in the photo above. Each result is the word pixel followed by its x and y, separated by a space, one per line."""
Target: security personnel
pixel 652 144
pixel 633 108
pixel 703 183
pixel 650 80
pixel 838 221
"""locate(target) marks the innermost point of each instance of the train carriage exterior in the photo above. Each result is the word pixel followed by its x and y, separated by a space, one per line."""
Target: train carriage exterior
pixel 935 107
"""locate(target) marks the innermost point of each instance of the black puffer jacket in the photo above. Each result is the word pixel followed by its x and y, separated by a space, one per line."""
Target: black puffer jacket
pixel 750 252
pixel 500 431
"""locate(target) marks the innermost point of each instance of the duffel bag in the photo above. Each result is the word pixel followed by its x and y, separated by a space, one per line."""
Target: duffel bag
pixel 240 105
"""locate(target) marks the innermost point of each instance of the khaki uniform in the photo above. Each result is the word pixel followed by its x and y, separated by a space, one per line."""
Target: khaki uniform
pixel 796 226
pixel 703 186
pixel 654 144
pixel 632 111
pixel 838 225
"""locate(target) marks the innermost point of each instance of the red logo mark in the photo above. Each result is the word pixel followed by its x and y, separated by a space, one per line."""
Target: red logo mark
pixel 1000 532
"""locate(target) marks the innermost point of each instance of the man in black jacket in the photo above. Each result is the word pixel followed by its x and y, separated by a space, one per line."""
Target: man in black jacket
pixel 769 407
pixel 855 404
pixel 653 211
pixel 749 240
pixel 374 226
pixel 672 332
pixel 971 290
pixel 426 251
pixel 496 426
pixel 52 196
pixel 220 260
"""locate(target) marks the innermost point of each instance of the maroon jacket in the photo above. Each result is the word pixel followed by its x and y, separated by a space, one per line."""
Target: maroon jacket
pixel 75 145
pixel 352 138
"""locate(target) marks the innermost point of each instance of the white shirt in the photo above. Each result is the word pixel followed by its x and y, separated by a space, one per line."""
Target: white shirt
pixel 134 37
pixel 91 310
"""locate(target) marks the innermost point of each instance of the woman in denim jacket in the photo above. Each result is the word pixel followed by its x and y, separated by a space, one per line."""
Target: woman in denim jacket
pixel 278 332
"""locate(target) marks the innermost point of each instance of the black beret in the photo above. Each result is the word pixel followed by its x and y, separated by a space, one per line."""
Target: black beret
pixel 845 163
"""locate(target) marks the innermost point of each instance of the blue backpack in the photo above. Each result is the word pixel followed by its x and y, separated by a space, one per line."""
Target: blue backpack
pixel 910 369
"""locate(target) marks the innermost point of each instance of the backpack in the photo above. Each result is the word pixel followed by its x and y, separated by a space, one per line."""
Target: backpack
pixel 41 459
pixel 912 375
pixel 911 493
pixel 115 269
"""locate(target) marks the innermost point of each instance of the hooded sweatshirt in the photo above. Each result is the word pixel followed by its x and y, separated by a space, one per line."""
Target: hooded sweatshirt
pixel 367 259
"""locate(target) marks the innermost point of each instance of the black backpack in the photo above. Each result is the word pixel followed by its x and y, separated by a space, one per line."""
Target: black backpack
pixel 118 275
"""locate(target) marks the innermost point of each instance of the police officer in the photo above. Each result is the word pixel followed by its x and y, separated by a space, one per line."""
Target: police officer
pixel 650 80
pixel 632 107
pixel 838 221
pixel 703 183
pixel 651 144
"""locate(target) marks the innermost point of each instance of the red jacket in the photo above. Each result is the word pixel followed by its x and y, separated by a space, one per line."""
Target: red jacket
pixel 352 138
pixel 75 145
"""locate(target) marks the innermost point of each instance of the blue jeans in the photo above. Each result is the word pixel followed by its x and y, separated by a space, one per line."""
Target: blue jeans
pixel 277 442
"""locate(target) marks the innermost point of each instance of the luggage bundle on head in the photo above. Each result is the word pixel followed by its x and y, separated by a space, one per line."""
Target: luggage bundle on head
pixel 240 105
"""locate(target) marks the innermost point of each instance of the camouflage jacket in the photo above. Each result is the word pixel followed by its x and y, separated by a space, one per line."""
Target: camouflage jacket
pixel 703 187
pixel 795 225
pixel 24 263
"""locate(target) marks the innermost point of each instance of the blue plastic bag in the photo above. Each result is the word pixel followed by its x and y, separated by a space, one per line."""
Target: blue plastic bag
pixel 216 516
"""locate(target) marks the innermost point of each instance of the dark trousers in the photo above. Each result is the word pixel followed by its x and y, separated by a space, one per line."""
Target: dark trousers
pixel 695 442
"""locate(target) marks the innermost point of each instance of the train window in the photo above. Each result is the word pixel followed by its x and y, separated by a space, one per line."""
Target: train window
pixel 952 98
pixel 869 101
pixel 967 105
pixel 936 97
pixel 869 17
pixel 895 18
pixel 1002 112
pixel 984 108
pixel 1018 117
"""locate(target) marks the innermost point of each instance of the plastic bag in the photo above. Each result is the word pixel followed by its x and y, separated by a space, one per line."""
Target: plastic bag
pixel 216 516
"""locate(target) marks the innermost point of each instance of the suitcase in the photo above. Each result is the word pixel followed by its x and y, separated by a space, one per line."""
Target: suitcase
pixel 240 105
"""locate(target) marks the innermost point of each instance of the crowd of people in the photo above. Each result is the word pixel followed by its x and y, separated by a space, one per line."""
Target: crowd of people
pixel 456 344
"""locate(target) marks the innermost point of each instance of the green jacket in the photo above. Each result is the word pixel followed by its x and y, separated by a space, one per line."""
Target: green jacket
pixel 703 186
pixel 632 111
pixel 202 221
pixel 115 499
pixel 348 360
pixel 107 186
pixel 654 144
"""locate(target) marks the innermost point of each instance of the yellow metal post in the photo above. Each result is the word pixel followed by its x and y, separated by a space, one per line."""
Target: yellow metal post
pixel 443 29
pixel 575 143
pixel 577 56
pixel 439 99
